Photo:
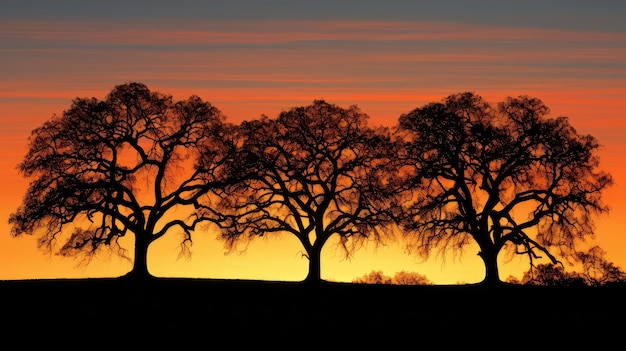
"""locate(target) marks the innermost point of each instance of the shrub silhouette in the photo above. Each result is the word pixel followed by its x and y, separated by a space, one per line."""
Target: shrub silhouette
pixel 400 278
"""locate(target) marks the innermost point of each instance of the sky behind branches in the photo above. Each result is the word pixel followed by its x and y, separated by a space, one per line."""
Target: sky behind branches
pixel 250 58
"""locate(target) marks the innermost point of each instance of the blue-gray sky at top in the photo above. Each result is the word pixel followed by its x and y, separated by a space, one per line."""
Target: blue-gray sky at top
pixel 583 14
pixel 455 44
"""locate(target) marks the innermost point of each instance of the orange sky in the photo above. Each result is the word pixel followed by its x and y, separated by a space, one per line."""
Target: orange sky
pixel 253 67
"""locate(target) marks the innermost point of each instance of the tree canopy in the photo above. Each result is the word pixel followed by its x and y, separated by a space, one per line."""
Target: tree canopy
pixel 462 171
pixel 318 171
pixel 400 278
pixel 498 176
pixel 107 168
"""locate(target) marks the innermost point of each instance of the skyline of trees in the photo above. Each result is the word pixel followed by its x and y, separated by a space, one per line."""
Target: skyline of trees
pixel 596 271
pixel 448 174
pixel 399 278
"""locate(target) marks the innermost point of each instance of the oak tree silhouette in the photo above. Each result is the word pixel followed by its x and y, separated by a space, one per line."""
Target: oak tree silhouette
pixel 319 171
pixel 501 177
pixel 400 278
pixel 597 270
pixel 550 274
pixel 104 169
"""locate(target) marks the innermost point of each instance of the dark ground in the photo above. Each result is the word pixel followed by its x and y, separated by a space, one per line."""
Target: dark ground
pixel 185 313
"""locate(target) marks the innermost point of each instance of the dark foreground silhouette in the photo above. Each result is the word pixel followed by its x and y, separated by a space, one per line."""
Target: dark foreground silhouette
pixel 208 313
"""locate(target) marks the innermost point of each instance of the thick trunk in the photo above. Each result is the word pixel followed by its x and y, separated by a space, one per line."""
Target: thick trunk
pixel 315 272
pixel 140 265
pixel 490 258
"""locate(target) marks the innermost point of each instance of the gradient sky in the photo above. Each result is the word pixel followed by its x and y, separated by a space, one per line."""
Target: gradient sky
pixel 250 58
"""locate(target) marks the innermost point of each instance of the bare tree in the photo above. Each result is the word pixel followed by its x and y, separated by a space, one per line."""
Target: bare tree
pixel 498 176
pixel 318 171
pixel 104 169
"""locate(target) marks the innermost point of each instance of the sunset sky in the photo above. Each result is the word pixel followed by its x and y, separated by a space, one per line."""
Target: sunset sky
pixel 261 57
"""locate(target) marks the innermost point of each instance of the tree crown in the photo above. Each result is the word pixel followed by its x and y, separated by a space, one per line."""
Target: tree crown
pixel 498 175
pixel 115 166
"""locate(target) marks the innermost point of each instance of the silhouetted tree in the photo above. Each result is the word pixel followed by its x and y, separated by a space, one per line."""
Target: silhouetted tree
pixel 597 270
pixel 410 278
pixel 374 277
pixel 496 176
pixel 319 171
pixel 118 166
pixel 551 275
pixel 400 278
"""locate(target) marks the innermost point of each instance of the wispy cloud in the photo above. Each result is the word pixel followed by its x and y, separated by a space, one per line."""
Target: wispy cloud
pixel 269 61
pixel 259 32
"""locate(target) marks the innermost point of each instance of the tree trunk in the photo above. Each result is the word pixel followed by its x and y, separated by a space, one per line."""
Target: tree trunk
pixel 140 271
pixel 314 275
pixel 490 258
